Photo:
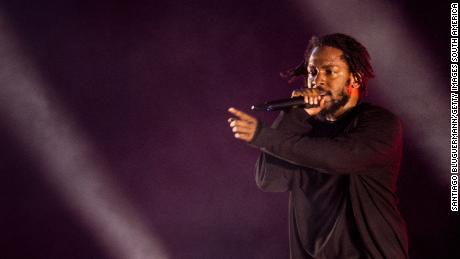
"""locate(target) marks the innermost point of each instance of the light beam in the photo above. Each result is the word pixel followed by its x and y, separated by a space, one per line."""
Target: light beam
pixel 71 164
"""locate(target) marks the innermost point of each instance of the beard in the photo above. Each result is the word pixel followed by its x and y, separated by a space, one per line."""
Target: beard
pixel 333 107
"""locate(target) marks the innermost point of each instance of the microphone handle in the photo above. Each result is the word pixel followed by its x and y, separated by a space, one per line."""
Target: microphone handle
pixel 283 104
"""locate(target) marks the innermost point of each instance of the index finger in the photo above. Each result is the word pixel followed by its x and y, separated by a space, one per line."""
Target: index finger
pixel 297 92
pixel 241 114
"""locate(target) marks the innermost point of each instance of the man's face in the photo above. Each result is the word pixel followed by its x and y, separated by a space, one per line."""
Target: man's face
pixel 328 72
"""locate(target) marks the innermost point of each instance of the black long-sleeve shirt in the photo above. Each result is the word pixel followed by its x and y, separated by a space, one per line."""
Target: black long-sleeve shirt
pixel 341 177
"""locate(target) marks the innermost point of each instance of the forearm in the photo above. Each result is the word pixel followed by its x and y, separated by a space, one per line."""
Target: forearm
pixel 293 120
pixel 373 144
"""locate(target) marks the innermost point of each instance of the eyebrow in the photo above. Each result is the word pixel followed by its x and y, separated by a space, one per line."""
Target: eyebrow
pixel 325 66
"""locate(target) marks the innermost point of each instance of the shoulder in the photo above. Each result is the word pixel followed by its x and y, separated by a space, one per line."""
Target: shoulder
pixel 370 110
pixel 379 116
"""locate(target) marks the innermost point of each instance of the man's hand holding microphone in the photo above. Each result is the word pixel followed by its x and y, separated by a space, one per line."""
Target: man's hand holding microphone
pixel 244 126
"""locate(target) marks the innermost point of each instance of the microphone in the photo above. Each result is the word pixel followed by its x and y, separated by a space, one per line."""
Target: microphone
pixel 282 104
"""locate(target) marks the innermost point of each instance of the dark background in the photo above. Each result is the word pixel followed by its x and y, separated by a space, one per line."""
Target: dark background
pixel 150 82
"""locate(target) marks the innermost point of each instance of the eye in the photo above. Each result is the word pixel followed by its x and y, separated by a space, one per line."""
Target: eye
pixel 329 72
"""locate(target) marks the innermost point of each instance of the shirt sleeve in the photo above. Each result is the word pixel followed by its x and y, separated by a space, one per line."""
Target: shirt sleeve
pixel 375 141
pixel 274 174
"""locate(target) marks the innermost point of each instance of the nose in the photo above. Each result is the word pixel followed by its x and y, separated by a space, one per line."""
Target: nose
pixel 318 80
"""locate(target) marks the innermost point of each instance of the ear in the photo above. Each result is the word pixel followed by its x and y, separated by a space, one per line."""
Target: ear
pixel 354 81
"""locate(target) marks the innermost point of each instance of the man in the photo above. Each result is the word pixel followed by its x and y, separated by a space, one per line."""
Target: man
pixel 339 160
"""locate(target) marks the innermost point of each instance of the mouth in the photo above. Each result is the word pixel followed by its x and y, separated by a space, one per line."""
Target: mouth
pixel 322 94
